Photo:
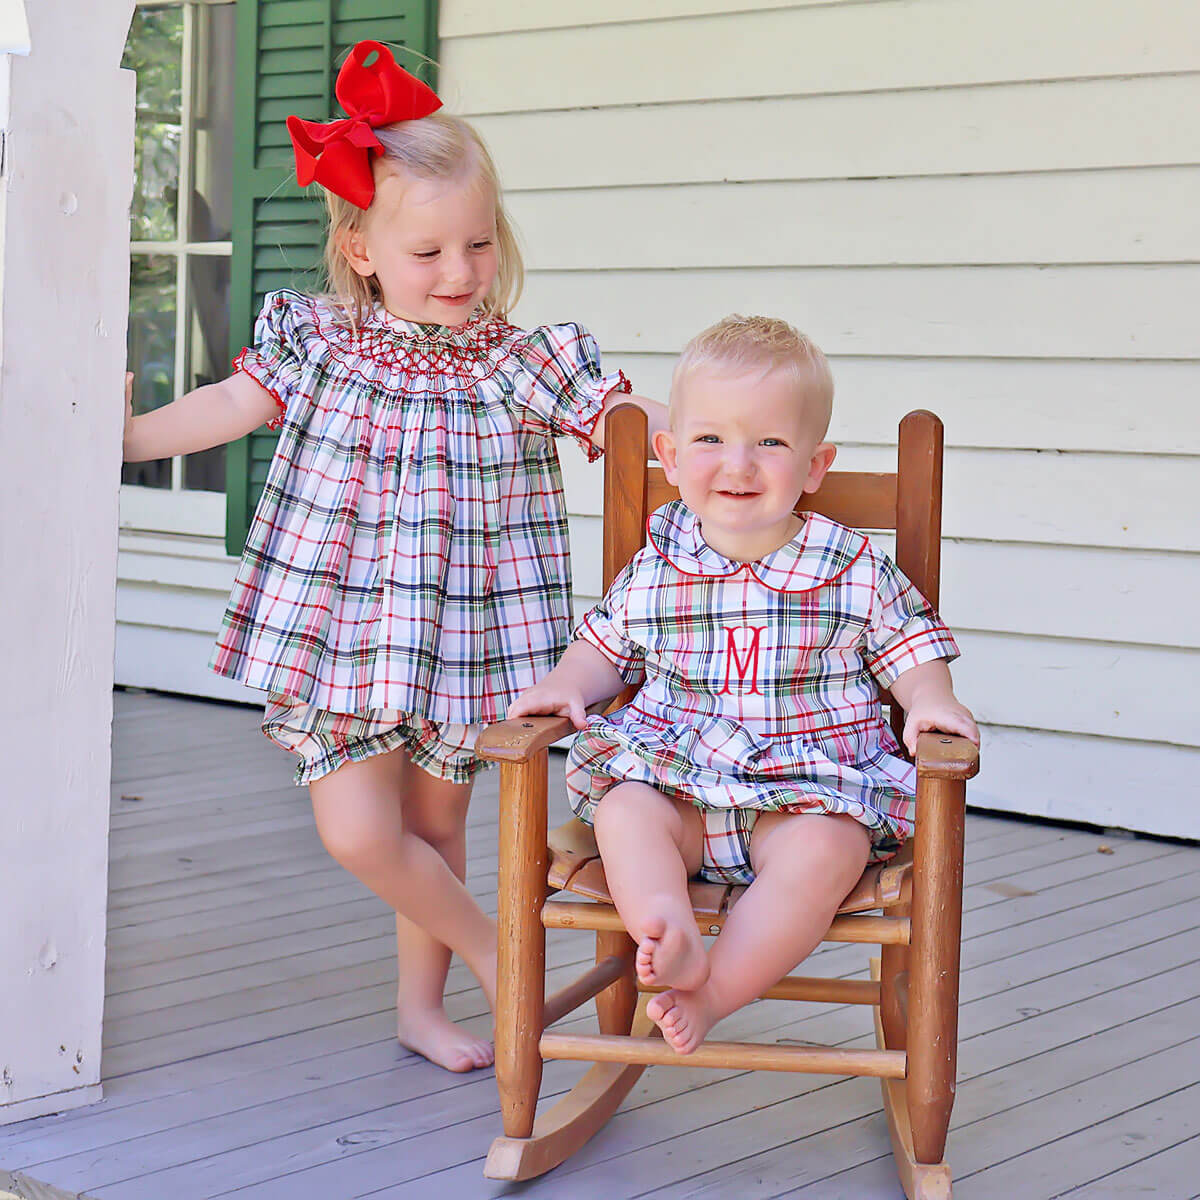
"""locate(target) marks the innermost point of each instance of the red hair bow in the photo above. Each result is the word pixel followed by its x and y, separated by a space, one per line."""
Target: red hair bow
pixel 337 154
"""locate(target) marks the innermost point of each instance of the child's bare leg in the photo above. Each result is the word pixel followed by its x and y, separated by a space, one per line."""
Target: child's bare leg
pixel 650 844
pixel 436 811
pixel 804 865
pixel 371 816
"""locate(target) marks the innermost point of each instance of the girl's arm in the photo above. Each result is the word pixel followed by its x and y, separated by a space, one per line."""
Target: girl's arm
pixel 656 415
pixel 927 696
pixel 582 677
pixel 209 416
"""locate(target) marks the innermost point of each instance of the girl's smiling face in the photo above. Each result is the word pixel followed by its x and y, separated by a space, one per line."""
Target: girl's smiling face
pixel 430 243
pixel 742 449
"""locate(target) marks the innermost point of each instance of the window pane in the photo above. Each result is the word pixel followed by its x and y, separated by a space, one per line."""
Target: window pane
pixel 151 351
pixel 208 355
pixel 155 52
pixel 212 135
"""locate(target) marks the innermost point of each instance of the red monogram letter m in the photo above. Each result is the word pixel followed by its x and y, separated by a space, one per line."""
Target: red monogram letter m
pixel 745 665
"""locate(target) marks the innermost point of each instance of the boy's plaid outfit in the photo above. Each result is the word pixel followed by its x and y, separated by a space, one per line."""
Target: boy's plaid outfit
pixel 760 681
pixel 409 552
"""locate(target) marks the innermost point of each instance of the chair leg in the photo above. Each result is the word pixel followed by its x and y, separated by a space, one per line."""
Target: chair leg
pixel 893 978
pixel 615 1005
pixel 522 945
pixel 934 962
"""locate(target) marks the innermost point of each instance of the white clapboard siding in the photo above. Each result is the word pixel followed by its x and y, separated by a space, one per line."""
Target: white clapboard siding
pixel 1127 216
pixel 1065 404
pixel 1125 501
pixel 1094 593
pixel 473 17
pixel 1103 781
pixel 1133 312
pixel 992 129
pixel 982 209
pixel 819 49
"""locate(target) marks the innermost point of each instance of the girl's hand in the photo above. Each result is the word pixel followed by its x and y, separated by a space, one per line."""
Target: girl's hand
pixel 128 404
pixel 942 713
pixel 551 698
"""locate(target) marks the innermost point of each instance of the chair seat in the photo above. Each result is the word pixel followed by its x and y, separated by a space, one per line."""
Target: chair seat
pixel 575 866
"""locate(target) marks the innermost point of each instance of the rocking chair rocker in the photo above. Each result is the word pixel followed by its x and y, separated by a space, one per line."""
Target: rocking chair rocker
pixel 918 894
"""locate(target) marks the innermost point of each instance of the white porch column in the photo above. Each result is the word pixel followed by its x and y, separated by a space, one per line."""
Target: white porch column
pixel 64 270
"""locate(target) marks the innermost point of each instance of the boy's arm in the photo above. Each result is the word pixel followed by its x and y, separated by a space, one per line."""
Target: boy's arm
pixel 209 416
pixel 582 677
pixel 927 695
pixel 656 415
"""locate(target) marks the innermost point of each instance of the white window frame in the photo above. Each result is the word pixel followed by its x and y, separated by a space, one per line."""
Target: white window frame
pixel 178 509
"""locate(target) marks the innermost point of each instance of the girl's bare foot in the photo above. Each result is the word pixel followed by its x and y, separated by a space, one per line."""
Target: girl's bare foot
pixel 671 956
pixel 684 1018
pixel 434 1036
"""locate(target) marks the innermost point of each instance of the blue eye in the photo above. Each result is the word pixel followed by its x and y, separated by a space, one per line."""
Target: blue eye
pixel 709 439
pixel 772 442
pixel 481 245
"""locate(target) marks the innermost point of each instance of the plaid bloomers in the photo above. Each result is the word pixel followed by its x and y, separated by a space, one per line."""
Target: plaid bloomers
pixel 325 741
pixel 761 683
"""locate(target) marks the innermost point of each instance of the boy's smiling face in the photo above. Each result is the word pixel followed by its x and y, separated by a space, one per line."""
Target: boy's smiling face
pixel 743 447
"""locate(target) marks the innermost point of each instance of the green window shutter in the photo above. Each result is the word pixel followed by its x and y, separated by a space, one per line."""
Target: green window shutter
pixel 288 52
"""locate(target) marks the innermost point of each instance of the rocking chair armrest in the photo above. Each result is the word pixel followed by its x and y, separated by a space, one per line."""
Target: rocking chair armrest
pixel 946 756
pixel 519 739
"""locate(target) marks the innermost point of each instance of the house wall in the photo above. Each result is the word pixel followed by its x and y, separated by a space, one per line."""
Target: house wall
pixel 987 210
pixel 67 181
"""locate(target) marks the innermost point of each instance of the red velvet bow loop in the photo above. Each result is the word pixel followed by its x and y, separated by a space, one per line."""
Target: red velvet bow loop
pixel 337 154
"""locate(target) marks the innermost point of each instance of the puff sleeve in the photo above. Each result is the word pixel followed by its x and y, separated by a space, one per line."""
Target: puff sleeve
pixel 276 359
pixel 605 627
pixel 558 386
pixel 904 630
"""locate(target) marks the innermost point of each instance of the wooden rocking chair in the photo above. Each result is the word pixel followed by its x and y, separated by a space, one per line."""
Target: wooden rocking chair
pixel 914 985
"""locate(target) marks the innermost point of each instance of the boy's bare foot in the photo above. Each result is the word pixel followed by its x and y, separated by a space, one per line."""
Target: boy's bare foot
pixel 671 956
pixel 434 1036
pixel 684 1018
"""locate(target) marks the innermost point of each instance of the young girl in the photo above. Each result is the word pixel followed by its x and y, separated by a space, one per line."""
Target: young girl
pixel 406 573
pixel 756 751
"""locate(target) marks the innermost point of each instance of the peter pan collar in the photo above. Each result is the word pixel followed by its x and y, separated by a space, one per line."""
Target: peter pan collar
pixel 821 552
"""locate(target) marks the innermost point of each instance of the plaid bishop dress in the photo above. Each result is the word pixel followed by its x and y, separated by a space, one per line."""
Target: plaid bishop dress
pixel 409 551
pixel 760 679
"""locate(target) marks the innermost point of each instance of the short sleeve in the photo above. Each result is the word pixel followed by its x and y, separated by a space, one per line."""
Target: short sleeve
pixel 605 628
pixel 558 384
pixel 904 630
pixel 275 360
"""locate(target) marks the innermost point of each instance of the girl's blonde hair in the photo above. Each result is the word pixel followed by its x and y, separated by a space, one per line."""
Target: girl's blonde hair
pixel 767 344
pixel 440 146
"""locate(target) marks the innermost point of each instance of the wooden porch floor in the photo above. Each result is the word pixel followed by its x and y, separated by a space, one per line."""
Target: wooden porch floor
pixel 249 1048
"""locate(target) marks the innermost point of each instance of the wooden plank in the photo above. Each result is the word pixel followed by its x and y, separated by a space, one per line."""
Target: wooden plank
pixel 1044 404
pixel 1070 777
pixel 1128 312
pixel 803 52
pixel 977 588
pixel 1047 499
pixel 471 18
pixel 1071 125
pixel 1112 216
pixel 1126 1137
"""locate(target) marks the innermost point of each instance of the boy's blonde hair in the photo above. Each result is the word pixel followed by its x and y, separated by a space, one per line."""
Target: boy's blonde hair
pixel 766 343
pixel 439 146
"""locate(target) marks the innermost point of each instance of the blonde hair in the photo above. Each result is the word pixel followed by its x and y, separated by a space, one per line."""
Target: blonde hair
pixel 768 344
pixel 440 146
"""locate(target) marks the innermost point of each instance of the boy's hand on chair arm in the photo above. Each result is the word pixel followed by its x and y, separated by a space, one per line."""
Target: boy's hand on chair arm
pixel 551 698
pixel 946 716
pixel 582 677
pixel 927 695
